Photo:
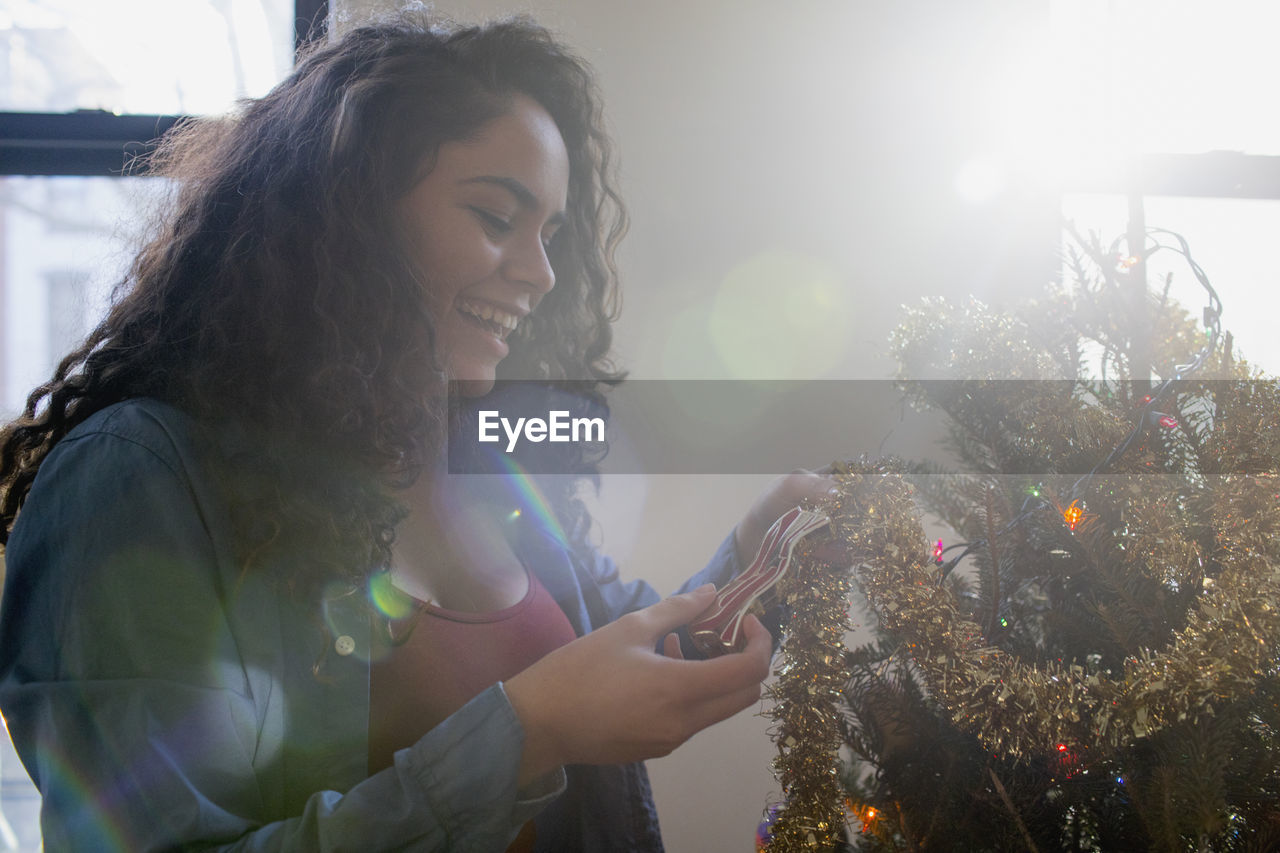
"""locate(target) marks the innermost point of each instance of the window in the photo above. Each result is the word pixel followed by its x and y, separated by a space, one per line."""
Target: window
pixel 69 310
pixel 1163 106
pixel 142 56
pixel 88 86
pixel 64 243
pixel 1230 238
pixel 1160 107
pixel 84 86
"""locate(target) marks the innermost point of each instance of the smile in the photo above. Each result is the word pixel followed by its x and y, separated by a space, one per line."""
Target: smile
pixel 497 321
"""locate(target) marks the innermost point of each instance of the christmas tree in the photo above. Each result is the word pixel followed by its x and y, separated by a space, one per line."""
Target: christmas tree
pixel 1095 665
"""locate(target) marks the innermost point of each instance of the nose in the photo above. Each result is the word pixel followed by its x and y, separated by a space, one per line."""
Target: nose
pixel 529 265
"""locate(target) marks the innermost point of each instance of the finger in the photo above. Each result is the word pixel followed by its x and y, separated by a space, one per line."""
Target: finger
pixel 758 651
pixel 715 709
pixel 801 485
pixel 677 610
pixel 704 680
pixel 671 647
pixel 759 640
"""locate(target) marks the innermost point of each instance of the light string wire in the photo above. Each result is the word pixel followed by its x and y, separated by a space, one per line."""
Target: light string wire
pixel 1149 413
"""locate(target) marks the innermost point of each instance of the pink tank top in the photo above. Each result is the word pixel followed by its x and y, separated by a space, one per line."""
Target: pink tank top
pixel 437 660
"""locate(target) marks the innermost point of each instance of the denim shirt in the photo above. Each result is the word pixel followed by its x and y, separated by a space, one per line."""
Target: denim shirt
pixel 160 698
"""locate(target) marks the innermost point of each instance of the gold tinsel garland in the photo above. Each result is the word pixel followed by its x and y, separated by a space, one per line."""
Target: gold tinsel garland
pixel 1017 710
pixel 1231 638
pixel 806 698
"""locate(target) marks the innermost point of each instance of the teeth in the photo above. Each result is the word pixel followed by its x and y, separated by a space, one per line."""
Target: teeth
pixel 488 313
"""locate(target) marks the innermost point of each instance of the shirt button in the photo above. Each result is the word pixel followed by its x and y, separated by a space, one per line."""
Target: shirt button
pixel 344 645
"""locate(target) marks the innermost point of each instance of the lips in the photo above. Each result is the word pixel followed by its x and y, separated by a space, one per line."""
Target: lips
pixel 498 321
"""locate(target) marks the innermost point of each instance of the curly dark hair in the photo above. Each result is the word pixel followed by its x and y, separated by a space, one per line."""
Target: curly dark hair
pixel 276 293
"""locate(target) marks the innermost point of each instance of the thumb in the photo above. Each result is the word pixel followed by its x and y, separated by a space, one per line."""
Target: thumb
pixel 671 613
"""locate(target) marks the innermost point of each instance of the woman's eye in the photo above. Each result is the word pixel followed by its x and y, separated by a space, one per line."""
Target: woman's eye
pixel 492 221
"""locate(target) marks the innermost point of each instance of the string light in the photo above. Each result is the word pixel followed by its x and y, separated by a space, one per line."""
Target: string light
pixel 1213 326
pixel 866 815
pixel 1072 515
pixel 937 553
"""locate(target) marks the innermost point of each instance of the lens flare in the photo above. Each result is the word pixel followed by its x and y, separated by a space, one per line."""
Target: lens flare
pixel 781 315
pixel 387 599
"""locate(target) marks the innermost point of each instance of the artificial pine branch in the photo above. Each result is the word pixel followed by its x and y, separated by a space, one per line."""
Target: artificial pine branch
pixel 1170 520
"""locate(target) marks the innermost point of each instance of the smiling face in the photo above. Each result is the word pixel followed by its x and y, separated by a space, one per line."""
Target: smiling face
pixel 479 226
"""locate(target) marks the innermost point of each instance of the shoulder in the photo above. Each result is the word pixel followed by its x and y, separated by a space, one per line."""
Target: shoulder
pixel 121 539
pixel 137 425
pixel 118 471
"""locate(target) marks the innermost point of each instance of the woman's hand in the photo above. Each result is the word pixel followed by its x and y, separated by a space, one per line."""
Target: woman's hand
pixel 610 698
pixel 781 495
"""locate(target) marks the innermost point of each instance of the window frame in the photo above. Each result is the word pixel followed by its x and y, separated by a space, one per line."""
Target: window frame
pixel 100 143
pixel 1214 174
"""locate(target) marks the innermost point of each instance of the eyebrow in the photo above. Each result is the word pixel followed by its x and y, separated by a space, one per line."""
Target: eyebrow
pixel 522 194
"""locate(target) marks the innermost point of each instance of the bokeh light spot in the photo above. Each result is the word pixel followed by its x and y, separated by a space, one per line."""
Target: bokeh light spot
pixel 387 599
pixel 781 315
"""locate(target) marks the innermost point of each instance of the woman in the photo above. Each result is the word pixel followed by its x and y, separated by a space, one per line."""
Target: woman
pixel 246 606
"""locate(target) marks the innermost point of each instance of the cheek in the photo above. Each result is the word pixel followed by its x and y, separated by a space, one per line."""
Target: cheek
pixel 450 252
pixel 440 265
pixel 450 275
pixel 428 239
pixel 460 266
